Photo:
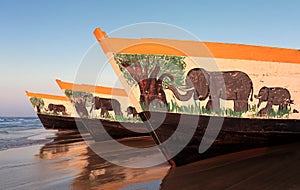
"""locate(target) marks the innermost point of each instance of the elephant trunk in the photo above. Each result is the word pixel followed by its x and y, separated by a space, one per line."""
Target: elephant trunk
pixel 181 97
pixel 259 100
pixel 93 105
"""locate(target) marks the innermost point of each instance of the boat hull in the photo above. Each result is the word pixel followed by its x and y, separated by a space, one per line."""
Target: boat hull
pixel 115 129
pixel 58 122
pixel 236 134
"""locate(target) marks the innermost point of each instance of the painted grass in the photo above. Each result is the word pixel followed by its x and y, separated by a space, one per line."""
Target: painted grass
pixel 280 113
pixel 197 109
pixel 120 118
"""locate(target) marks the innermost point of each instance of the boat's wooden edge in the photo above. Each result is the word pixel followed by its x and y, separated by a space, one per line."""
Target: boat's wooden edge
pixel 46 96
pixel 196 48
pixel 91 88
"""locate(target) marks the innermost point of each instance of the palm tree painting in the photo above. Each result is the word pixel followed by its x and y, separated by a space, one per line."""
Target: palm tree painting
pixel 38 103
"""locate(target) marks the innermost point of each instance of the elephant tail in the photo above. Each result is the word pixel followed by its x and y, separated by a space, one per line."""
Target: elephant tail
pixel 290 102
pixel 251 98
pixel 93 105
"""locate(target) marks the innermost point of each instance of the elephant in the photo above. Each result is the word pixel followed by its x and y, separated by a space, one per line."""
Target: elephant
pixel 106 104
pixel 80 106
pixel 132 110
pixel 57 108
pixel 226 85
pixel 273 96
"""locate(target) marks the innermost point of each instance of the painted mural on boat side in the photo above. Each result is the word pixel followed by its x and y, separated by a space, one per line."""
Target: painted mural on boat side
pixel 97 102
pixel 51 104
pixel 211 86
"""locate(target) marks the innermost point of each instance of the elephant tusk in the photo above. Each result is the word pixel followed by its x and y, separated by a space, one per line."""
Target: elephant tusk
pixel 186 88
pixel 257 97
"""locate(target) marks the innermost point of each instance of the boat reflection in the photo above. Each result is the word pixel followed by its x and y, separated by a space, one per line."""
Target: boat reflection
pixel 69 151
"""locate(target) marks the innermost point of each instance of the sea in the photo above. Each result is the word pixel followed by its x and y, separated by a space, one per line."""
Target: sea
pixel 22 131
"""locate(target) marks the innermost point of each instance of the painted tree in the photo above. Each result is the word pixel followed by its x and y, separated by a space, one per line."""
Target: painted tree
pixel 152 73
pixel 38 103
pixel 80 100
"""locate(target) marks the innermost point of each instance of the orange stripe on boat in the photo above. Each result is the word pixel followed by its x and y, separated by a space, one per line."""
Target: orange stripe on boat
pixel 46 96
pixel 91 88
pixel 196 49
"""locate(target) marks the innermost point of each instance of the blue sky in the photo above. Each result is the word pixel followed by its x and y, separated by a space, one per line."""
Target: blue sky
pixel 44 40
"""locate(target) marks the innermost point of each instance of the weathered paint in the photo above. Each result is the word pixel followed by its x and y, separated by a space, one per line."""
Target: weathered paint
pixel 90 92
pixel 266 66
pixel 56 100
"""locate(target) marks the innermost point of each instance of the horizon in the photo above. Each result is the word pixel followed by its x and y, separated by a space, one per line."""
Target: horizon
pixel 43 41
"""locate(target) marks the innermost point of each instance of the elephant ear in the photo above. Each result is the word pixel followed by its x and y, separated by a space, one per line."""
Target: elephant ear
pixel 267 92
pixel 203 87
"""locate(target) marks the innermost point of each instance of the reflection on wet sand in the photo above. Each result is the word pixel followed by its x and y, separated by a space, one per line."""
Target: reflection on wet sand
pixel 77 166
pixel 69 151
pixel 263 168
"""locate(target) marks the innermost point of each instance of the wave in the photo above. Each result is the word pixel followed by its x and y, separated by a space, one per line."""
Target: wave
pixel 21 138
pixel 17 123
pixel 4 132
pixel 12 119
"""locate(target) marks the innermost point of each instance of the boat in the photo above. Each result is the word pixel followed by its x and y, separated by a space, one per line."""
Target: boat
pixel 203 99
pixel 105 112
pixel 54 111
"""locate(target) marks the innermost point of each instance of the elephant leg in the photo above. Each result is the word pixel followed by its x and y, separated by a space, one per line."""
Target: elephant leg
pixel 264 111
pixel 241 102
pixel 240 106
pixel 213 104
pixel 281 107
pixel 209 105
pixel 118 112
pixel 102 112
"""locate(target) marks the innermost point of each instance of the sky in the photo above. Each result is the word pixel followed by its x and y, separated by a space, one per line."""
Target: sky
pixel 44 40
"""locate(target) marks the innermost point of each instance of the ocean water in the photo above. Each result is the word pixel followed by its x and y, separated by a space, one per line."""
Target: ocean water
pixel 22 131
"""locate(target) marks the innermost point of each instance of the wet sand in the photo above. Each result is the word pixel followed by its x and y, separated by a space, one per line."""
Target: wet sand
pixel 69 163
pixel 263 168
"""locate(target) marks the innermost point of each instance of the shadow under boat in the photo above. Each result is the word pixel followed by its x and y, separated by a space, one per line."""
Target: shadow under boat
pixel 236 134
pixel 274 167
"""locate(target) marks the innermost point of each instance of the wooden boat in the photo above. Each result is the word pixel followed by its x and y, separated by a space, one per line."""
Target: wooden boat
pixel 54 112
pixel 197 97
pixel 105 112
pixel 58 112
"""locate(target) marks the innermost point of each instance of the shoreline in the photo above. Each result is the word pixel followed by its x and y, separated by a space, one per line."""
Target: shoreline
pixel 67 162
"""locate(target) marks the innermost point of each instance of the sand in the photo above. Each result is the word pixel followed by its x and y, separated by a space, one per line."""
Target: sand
pixel 69 163
pixel 263 168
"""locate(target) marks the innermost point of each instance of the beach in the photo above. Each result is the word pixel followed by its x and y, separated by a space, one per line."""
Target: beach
pixel 275 167
pixel 67 162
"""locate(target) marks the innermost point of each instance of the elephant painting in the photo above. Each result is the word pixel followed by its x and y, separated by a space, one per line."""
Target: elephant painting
pixel 80 106
pixel 131 110
pixel 227 85
pixel 57 108
pixel 106 104
pixel 273 96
